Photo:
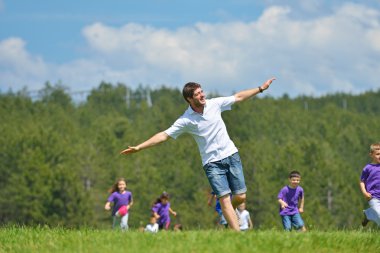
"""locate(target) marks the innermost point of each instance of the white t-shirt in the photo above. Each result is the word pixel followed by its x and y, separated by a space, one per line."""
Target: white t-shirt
pixel 153 228
pixel 208 129
pixel 244 220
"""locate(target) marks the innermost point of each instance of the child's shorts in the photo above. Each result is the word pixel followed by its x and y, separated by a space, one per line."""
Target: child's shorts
pixel 289 221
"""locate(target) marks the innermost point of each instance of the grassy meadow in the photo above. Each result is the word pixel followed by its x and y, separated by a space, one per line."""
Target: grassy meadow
pixel 27 239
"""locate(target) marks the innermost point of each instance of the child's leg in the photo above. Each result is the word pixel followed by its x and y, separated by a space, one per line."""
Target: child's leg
pixel 167 225
pixel 286 222
pixel 365 220
pixel 297 222
pixel 115 222
pixel 124 222
pixel 373 213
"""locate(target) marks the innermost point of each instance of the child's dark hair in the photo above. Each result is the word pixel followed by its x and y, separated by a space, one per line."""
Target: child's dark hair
pixel 164 195
pixel 294 173
pixel 114 187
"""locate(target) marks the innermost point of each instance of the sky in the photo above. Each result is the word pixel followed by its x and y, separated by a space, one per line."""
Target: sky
pixel 312 47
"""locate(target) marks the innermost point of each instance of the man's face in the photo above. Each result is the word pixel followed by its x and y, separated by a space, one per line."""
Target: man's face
pixel 198 99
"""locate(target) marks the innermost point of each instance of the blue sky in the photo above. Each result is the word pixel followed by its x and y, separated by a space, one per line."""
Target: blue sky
pixel 312 47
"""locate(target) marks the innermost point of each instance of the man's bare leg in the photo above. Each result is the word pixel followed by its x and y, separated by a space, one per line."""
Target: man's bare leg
pixel 229 210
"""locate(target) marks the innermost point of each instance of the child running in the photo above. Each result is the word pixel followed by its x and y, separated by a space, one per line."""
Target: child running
pixel 370 186
pixel 291 200
pixel 122 202
pixel 245 218
pixel 161 210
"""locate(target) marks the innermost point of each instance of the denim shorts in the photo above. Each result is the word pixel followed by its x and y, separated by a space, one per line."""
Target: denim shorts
pixel 226 176
pixel 294 220
pixel 373 212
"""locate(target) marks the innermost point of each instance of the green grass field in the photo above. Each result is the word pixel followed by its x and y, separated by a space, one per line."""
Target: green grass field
pixel 16 239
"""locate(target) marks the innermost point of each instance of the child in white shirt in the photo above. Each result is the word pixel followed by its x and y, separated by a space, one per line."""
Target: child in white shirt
pixel 152 227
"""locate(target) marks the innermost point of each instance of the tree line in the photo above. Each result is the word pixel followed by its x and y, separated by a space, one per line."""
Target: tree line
pixel 58 158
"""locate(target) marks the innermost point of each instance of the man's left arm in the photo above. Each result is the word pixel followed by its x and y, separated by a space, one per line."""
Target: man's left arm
pixel 245 94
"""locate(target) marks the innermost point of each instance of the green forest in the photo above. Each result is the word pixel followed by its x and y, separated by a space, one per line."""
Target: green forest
pixel 59 157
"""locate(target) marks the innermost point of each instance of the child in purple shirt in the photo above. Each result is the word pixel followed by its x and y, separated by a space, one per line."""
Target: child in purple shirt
pixel 370 186
pixel 161 209
pixel 291 200
pixel 122 202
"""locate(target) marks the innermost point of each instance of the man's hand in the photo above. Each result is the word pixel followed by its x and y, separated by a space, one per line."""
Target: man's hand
pixel 267 83
pixel 130 150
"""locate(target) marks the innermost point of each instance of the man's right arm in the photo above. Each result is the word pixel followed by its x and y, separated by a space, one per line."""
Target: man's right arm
pixel 154 140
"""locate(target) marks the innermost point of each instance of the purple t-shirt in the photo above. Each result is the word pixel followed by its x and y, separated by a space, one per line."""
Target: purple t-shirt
pixel 119 199
pixel 291 197
pixel 163 211
pixel 371 178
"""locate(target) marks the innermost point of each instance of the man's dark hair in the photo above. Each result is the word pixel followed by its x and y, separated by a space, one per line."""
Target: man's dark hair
pixel 188 90
pixel 294 173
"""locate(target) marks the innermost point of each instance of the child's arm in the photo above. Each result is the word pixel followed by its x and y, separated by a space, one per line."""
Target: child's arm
pixel 130 204
pixel 366 194
pixel 108 206
pixel 156 215
pixel 210 199
pixel 302 201
pixel 283 204
pixel 250 224
pixel 172 212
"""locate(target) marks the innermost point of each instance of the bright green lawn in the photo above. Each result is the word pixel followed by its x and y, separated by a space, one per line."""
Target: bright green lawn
pixel 88 240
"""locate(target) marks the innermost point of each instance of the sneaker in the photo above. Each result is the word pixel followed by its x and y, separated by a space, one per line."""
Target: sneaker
pixel 238 216
pixel 365 220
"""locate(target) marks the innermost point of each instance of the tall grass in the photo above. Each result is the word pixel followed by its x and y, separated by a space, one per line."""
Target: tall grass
pixel 25 239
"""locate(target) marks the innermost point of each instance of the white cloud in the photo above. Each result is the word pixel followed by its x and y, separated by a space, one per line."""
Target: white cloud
pixel 335 52
pixel 17 66
pixel 322 53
